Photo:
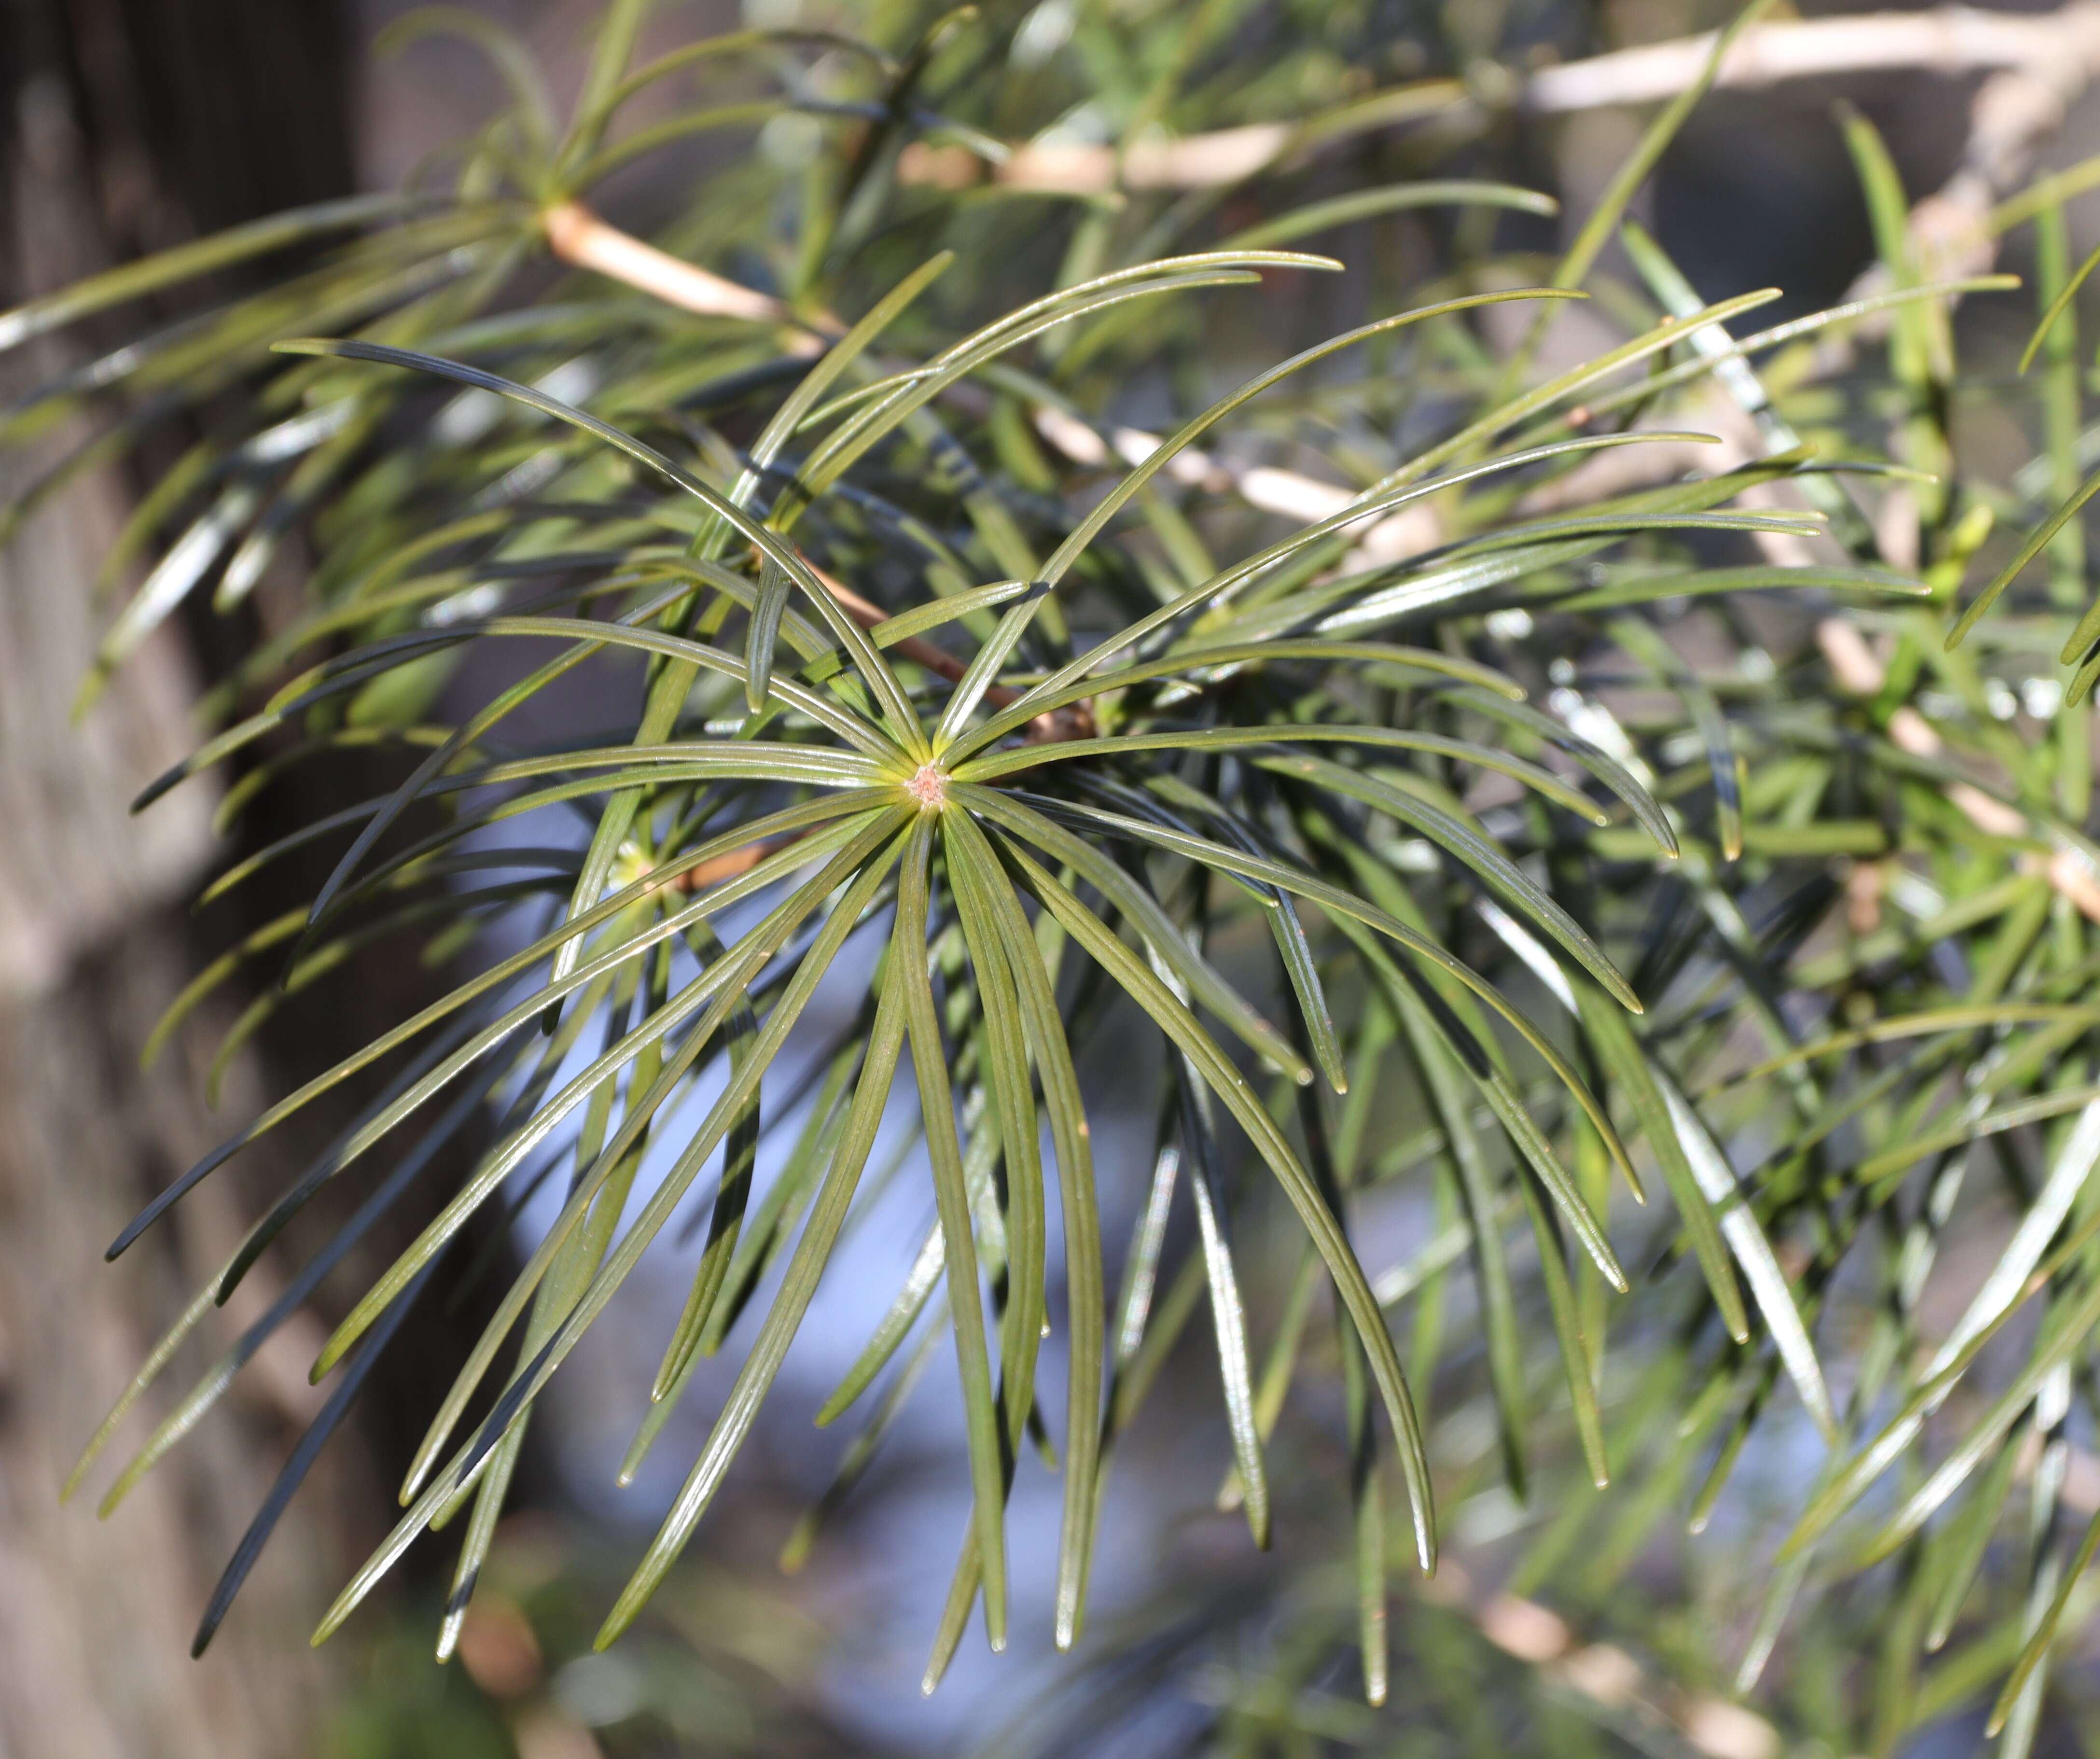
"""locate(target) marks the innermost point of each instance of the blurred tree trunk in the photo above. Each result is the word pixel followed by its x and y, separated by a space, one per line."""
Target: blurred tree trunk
pixel 129 124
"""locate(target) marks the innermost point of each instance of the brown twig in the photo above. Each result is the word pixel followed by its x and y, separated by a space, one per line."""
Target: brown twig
pixel 2043 64
pixel 1948 40
pixel 1409 532
pixel 1076 722
pixel 716 869
pixel 1535 1634
pixel 1859 672
pixel 578 237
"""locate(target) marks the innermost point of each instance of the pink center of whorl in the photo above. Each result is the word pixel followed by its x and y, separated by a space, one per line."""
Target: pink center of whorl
pixel 929 787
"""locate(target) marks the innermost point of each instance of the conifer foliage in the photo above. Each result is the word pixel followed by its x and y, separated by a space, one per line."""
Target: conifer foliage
pixel 1577 807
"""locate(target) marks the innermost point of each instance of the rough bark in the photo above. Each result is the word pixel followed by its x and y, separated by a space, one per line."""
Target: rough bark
pixel 95 1618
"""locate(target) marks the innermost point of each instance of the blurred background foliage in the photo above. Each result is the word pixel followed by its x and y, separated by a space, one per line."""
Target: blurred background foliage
pixel 1875 828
